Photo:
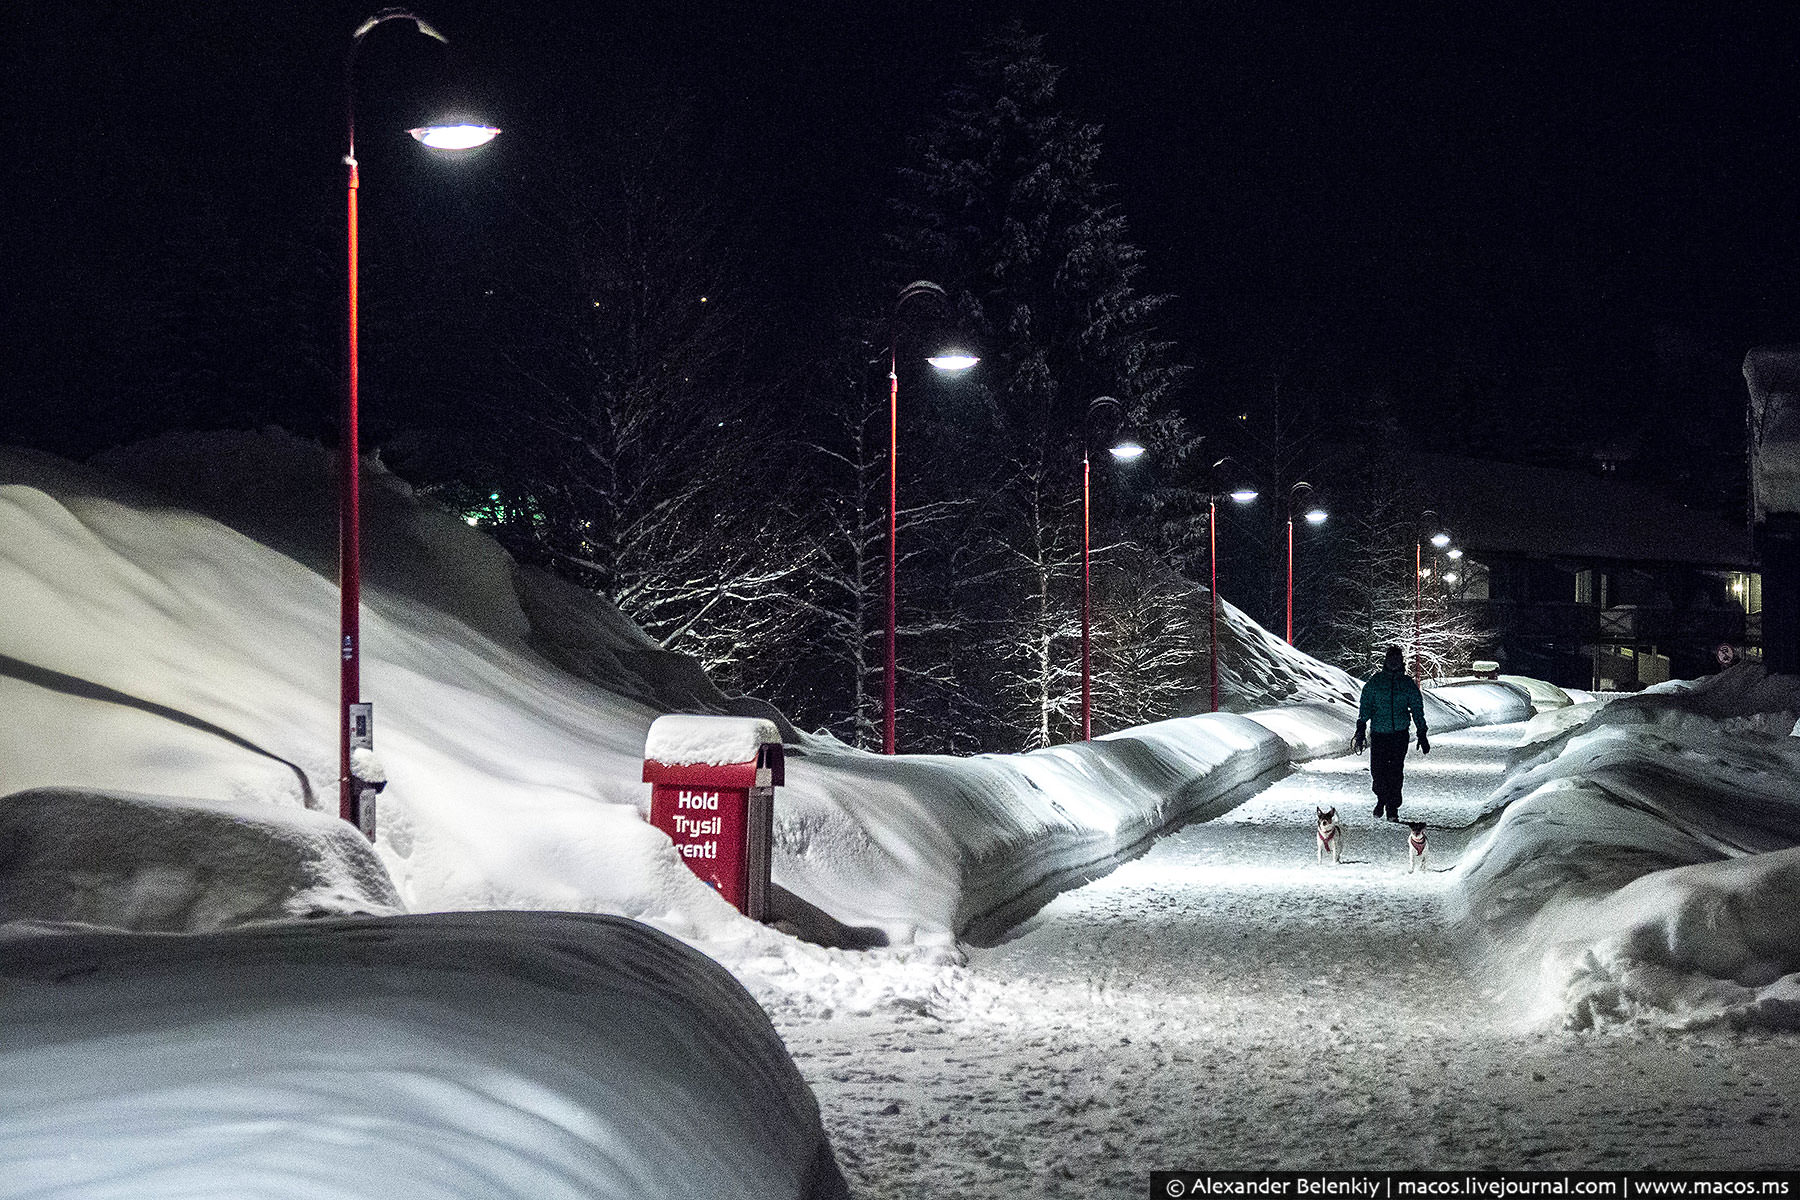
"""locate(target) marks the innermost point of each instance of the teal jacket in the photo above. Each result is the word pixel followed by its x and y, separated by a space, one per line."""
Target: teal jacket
pixel 1387 700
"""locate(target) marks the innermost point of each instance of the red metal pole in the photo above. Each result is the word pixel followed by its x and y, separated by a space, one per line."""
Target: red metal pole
pixel 349 527
pixel 887 741
pixel 1290 596
pixel 1087 585
pixel 1212 555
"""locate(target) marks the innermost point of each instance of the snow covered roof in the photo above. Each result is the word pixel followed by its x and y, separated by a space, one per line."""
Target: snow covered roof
pixel 1504 508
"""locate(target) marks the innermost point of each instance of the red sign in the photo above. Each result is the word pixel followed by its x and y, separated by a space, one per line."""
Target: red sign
pixel 707 827
pixel 720 819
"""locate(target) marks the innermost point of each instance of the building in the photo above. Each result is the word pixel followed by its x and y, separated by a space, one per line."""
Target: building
pixel 1772 374
pixel 1590 582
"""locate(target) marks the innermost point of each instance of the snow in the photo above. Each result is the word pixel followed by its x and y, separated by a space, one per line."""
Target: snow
pixel 682 739
pixel 1641 867
pixel 160 651
pixel 1226 1000
pixel 180 865
pixel 170 684
pixel 531 1055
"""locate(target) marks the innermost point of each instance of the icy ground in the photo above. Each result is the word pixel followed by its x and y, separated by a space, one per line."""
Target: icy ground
pixel 1224 1001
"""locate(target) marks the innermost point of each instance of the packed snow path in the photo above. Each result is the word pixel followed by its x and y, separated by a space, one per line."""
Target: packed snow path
pixel 1225 1001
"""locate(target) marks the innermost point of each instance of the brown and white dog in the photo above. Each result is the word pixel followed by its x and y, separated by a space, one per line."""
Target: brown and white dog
pixel 1415 847
pixel 1331 835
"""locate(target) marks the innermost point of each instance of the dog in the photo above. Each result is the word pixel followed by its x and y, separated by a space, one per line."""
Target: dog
pixel 1331 835
pixel 1415 847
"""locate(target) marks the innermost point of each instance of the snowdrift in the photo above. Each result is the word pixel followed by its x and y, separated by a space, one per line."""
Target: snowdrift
pixel 154 650
pixel 1642 869
pixel 528 1055
pixel 178 865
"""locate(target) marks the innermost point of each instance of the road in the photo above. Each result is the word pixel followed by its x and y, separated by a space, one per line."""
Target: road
pixel 1225 1001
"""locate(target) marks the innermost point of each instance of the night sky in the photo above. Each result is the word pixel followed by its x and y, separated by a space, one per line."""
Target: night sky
pixel 1600 204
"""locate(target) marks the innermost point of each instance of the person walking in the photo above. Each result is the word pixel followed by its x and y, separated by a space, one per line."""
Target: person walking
pixel 1390 701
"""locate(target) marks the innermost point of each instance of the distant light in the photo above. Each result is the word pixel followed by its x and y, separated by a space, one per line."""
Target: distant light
pixel 1450 577
pixel 1126 451
pixel 1455 553
pixel 953 362
pixel 455 137
pixel 1440 540
pixel 1316 516
pixel 1244 495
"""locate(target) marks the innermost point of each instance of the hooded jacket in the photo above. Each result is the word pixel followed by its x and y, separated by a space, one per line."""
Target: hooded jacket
pixel 1388 699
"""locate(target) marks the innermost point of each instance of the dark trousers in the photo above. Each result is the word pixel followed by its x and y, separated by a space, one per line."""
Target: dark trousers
pixel 1387 766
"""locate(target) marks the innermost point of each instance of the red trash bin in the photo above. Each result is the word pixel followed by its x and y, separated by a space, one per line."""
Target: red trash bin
pixel 712 790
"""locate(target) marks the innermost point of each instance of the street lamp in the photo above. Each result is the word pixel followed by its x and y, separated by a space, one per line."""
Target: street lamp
pixel 351 711
pixel 946 359
pixel 1314 516
pixel 1123 450
pixel 1241 495
pixel 1439 537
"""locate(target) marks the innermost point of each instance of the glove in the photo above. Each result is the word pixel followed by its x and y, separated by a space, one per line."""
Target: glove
pixel 1359 743
pixel 1424 745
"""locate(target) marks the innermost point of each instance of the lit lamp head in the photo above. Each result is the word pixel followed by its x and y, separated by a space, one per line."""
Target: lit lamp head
pixel 1454 553
pixel 1316 516
pixel 454 137
pixel 952 360
pixel 1243 495
pixel 1126 451
pixel 1450 578
pixel 1440 540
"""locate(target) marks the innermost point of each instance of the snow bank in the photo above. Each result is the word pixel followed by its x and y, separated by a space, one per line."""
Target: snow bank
pixel 683 739
pixel 161 863
pixel 530 1055
pixel 1544 696
pixel 920 847
pixel 1462 703
pixel 153 650
pixel 1637 872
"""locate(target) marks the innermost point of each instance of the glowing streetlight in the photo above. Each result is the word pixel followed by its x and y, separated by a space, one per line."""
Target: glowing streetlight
pixel 948 359
pixel 351 711
pixel 454 137
pixel 1439 537
pixel 1242 495
pixel 1314 516
pixel 1122 451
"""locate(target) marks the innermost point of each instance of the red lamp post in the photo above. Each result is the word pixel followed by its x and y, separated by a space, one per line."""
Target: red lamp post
pixel 1439 539
pixel 1124 451
pixel 1241 495
pixel 947 360
pixel 442 137
pixel 1314 516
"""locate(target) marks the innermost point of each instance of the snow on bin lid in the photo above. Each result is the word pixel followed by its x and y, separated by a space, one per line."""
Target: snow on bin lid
pixel 682 740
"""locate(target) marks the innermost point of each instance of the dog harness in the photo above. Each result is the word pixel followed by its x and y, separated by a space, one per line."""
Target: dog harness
pixel 1417 842
pixel 1325 839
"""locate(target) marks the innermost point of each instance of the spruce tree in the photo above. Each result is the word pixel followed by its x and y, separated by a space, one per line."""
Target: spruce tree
pixel 1005 205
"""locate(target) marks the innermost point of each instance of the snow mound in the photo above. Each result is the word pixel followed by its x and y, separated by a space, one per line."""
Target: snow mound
pixel 1691 947
pixel 151 649
pixel 180 865
pixel 1636 871
pixel 528 1055
pixel 1745 698
pixel 1544 696
pixel 683 739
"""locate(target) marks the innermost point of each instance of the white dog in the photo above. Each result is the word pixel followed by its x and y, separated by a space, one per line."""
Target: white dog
pixel 1331 835
pixel 1415 847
